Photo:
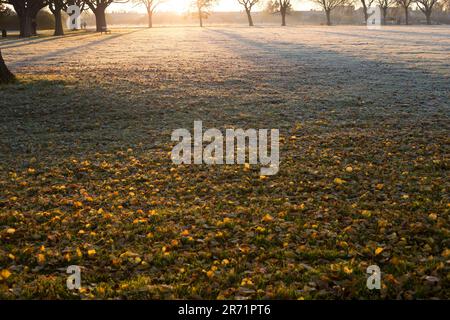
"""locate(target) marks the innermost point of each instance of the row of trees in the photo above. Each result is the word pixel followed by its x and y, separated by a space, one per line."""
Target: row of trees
pixel 285 6
pixel 426 6
pixel 27 9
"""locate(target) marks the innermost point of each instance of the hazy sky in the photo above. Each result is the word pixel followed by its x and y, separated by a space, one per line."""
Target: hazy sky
pixel 222 5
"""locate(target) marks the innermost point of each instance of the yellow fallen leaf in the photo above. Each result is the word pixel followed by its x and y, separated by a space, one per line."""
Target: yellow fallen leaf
pixel 267 218
pixel 210 273
pixel 226 220
pixel 77 204
pixel 339 181
pixel 10 231
pixel 382 223
pixel 101 290
pixel 246 281
pixel 260 229
pixel 5 274
pixel 40 258
pixel 446 253
pixel 378 251
pixel 366 213
pixel 91 252
pixel 348 270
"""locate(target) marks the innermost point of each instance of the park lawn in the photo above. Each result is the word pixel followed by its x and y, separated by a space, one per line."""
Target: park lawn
pixel 86 176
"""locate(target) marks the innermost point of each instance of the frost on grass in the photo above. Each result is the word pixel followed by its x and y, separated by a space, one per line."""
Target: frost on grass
pixel 86 177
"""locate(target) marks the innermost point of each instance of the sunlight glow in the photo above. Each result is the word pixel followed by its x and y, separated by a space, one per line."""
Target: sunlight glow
pixel 184 6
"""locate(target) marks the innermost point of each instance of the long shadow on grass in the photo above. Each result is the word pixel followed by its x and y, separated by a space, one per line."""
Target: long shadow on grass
pixel 426 43
pixel 61 52
pixel 8 44
pixel 306 65
pixel 431 33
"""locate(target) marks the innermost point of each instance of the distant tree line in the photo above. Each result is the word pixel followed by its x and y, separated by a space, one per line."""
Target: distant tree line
pixel 29 13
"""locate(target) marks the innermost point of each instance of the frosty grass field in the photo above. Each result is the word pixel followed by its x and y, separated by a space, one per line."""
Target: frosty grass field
pixel 86 177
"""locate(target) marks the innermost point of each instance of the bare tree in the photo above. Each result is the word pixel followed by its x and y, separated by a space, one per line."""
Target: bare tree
pixel 248 5
pixel 384 6
pixel 271 6
pixel 27 11
pixel 56 7
pixel 202 6
pixel 366 4
pixel 405 4
pixel 98 7
pixel 329 5
pixel 426 6
pixel 285 6
pixel 150 5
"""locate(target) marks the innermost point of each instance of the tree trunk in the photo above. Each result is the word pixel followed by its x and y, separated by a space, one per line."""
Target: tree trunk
pixel 25 25
pixel 200 17
pixel 283 17
pixel 406 16
pixel 100 18
pixel 5 75
pixel 27 13
pixel 428 15
pixel 59 31
pixel 328 13
pixel 384 14
pixel 34 24
pixel 249 17
pixel 150 18
pixel 366 15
